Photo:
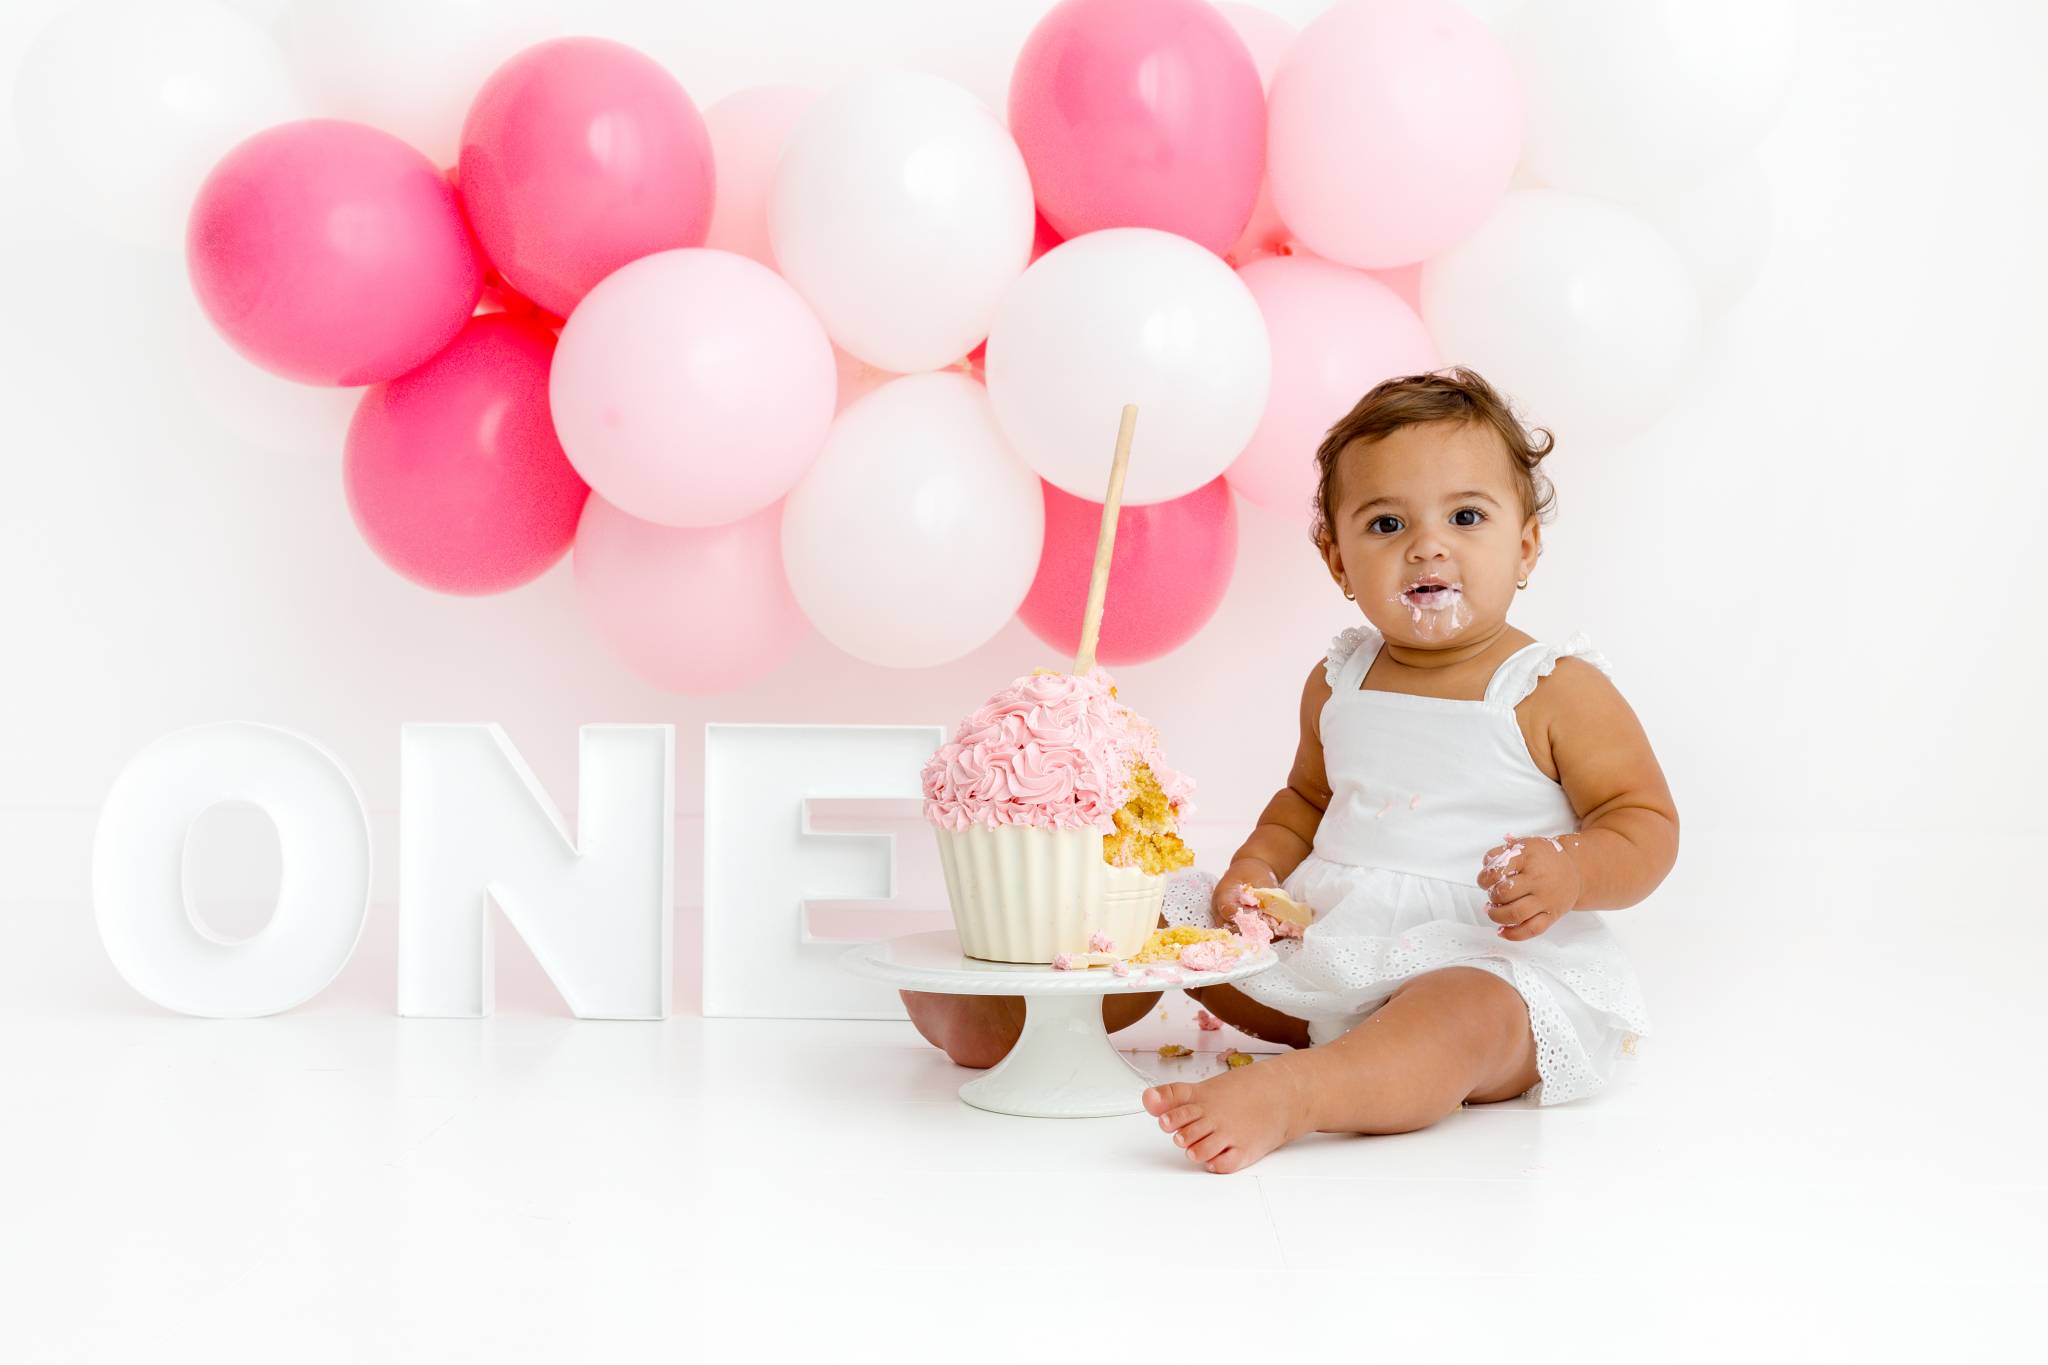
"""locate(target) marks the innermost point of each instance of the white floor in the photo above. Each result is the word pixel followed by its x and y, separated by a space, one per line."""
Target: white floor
pixel 1832 1143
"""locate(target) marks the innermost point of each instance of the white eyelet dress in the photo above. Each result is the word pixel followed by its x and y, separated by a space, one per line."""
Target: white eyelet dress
pixel 1421 788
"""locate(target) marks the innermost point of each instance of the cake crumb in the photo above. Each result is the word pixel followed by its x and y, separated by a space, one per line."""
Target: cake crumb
pixel 1207 1022
pixel 1175 1050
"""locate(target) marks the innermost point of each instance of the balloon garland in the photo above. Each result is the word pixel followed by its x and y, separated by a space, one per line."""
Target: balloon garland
pixel 843 360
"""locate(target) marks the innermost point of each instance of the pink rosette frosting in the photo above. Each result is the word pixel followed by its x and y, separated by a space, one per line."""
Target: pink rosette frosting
pixel 1054 750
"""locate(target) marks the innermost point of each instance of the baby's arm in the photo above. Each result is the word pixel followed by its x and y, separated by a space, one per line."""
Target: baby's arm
pixel 1628 826
pixel 1286 829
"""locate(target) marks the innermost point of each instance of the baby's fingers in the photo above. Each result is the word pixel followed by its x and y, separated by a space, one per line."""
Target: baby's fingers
pixel 1531 926
pixel 1510 911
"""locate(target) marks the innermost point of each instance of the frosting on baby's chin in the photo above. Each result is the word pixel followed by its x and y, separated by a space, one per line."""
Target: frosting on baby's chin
pixel 1052 750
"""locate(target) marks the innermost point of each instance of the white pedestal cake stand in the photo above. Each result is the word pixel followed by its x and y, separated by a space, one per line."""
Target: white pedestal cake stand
pixel 1063 1066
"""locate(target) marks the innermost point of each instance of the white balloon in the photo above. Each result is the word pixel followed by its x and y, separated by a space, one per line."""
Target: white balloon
pixel 1723 226
pixel 410 67
pixel 127 104
pixel 1631 98
pixel 916 534
pixel 1129 315
pixel 1582 312
pixel 901 210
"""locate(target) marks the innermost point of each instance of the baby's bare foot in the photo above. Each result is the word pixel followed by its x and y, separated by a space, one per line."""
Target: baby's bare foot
pixel 1229 1121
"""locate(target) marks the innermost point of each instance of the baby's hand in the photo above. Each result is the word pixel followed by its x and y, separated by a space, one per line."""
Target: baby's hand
pixel 1531 884
pixel 1228 899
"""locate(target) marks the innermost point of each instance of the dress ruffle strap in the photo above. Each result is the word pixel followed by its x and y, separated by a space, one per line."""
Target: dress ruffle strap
pixel 1346 644
pixel 1518 677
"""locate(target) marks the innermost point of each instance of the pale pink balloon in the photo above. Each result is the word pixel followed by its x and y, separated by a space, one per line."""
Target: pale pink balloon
pixel 1267 37
pixel 1394 127
pixel 1140 113
pixel 579 155
pixel 331 253
pixel 693 387
pixel 1335 333
pixel 1169 568
pixel 694 610
pixel 452 471
pixel 747 131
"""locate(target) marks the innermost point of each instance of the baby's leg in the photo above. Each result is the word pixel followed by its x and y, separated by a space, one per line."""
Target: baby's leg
pixel 980 1030
pixel 1447 1036
pixel 1247 1015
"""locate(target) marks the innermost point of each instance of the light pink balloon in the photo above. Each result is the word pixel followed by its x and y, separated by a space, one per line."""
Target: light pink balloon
pixel 452 471
pixel 1267 37
pixel 579 155
pixel 693 387
pixel 1394 129
pixel 1168 570
pixel 1140 113
pixel 1335 333
pixel 694 610
pixel 747 131
pixel 331 253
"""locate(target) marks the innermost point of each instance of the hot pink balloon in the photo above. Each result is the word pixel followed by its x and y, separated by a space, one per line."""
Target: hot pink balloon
pixel 689 609
pixel 1335 333
pixel 1140 113
pixel 453 472
pixel 578 156
pixel 1394 127
pixel 331 253
pixel 1167 572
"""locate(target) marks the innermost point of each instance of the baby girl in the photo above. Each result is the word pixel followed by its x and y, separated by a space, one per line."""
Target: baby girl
pixel 1447 819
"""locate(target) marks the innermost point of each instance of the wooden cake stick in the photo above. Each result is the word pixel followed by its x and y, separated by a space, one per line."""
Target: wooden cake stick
pixel 1105 541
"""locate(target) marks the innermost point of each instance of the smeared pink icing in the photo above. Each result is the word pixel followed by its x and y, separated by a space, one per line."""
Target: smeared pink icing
pixel 1053 750
pixel 1210 955
pixel 1099 942
pixel 1207 1022
pixel 1062 962
pixel 1255 927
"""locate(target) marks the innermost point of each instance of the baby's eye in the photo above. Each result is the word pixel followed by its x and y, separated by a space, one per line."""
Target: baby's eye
pixel 1375 527
pixel 1477 516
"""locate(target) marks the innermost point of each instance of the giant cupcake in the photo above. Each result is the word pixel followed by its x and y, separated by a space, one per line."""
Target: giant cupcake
pixel 1057 820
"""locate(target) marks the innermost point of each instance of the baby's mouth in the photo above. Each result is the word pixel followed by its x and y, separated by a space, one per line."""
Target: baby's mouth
pixel 1431 592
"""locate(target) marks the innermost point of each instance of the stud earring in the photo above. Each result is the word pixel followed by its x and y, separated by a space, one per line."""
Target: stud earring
pixel 1521 582
pixel 1348 597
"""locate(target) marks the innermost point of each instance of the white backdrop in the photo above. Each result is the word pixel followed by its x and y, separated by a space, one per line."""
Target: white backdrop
pixel 1819 577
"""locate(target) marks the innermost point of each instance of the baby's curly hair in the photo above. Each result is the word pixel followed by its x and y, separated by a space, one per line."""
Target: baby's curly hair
pixel 1456 394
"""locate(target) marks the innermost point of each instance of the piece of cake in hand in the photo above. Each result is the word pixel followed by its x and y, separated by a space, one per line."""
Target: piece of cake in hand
pixel 1057 820
pixel 1286 916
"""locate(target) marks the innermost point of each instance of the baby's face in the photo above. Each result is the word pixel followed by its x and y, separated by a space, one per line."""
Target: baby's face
pixel 1430 532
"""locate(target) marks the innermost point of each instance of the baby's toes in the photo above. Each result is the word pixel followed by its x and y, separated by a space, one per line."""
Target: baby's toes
pixel 1161 1098
pixel 1231 1160
pixel 1196 1130
pixel 1173 1120
pixel 1208 1148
